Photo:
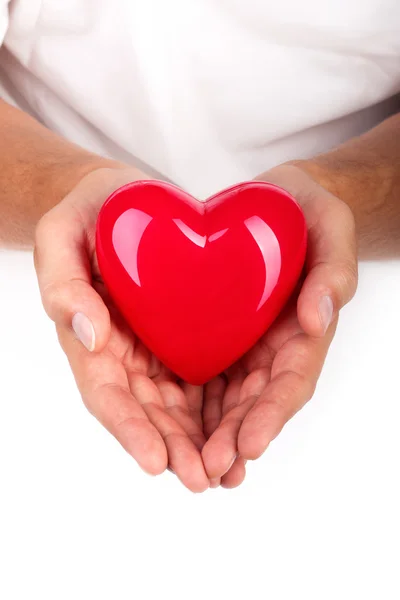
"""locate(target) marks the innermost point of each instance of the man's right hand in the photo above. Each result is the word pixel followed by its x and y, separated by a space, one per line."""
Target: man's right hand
pixel 156 420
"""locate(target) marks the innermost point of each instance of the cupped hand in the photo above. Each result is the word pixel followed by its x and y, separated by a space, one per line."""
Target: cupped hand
pixel 246 408
pixel 157 419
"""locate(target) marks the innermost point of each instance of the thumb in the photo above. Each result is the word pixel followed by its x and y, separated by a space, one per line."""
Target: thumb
pixel 65 279
pixel 331 264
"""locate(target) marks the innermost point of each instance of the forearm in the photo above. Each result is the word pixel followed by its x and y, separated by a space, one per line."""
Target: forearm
pixel 365 173
pixel 38 168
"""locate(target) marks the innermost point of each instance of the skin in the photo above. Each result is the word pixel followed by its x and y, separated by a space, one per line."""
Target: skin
pixel 50 195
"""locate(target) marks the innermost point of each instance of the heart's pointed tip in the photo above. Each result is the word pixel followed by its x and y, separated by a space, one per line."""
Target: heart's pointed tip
pixel 195 381
pixel 195 378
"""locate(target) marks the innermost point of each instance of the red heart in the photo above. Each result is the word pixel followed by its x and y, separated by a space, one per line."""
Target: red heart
pixel 200 282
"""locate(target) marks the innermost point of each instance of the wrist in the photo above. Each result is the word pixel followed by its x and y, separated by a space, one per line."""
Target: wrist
pixel 63 178
pixel 366 186
pixel 48 185
pixel 327 174
pixel 348 179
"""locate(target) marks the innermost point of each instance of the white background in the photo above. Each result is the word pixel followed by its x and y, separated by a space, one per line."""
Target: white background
pixel 318 517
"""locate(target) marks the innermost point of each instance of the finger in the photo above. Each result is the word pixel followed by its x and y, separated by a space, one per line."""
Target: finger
pixel 332 252
pixel 183 456
pixel 175 403
pixel 212 408
pixel 236 376
pixel 140 360
pixel 194 400
pixel 220 451
pixel 255 383
pixel 183 407
pixel 65 279
pixel 294 376
pixel 215 483
pixel 236 474
pixel 212 411
pixel 104 387
pixel 331 263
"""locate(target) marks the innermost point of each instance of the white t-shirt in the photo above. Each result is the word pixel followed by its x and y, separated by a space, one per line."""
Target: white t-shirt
pixel 205 92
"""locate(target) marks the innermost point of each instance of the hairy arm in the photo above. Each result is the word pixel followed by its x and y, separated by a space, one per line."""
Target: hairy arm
pixel 38 169
pixel 365 174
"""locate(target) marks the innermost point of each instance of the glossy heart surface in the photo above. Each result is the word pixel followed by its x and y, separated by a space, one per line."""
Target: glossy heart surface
pixel 200 282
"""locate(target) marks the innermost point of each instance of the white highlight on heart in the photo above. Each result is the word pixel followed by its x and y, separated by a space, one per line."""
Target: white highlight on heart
pixel 126 237
pixel 215 236
pixel 270 250
pixel 196 238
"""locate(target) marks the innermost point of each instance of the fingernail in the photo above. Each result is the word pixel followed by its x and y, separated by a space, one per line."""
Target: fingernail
pixel 325 311
pixel 84 330
pixel 231 464
pixel 233 460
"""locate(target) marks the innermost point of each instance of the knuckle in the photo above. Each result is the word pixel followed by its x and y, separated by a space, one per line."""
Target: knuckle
pixel 297 391
pixel 60 298
pixel 302 389
pixel 310 385
pixel 58 294
pixel 345 212
pixel 346 279
pixel 43 228
pixel 53 295
pixel 120 429
pixel 346 216
pixel 339 211
pixel 36 258
pixel 230 407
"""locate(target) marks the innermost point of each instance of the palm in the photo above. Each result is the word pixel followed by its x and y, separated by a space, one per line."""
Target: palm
pixel 155 417
pixel 262 391
pixel 278 375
